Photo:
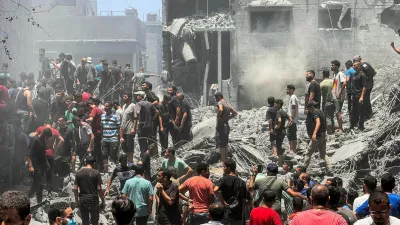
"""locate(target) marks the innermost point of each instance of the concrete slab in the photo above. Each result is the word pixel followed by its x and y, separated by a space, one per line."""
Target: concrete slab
pixel 348 150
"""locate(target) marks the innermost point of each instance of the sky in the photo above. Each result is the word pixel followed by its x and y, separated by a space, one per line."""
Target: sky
pixel 143 6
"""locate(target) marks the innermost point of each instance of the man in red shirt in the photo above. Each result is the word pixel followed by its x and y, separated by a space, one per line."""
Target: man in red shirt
pixel 201 195
pixel 95 121
pixel 319 214
pixel 85 94
pixel 264 214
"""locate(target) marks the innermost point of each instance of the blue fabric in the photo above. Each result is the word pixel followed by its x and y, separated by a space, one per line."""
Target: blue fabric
pixel 110 125
pixel 99 68
pixel 304 192
pixel 394 200
pixel 138 190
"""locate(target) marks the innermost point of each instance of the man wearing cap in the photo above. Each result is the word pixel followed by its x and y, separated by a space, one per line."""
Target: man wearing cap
pixel 271 181
pixel 359 92
pixel 87 190
pixel 146 113
pixel 225 113
pixel 370 73
pixel 293 112
pixel 316 129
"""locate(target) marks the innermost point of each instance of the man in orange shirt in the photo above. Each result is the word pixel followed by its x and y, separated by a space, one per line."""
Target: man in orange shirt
pixel 201 195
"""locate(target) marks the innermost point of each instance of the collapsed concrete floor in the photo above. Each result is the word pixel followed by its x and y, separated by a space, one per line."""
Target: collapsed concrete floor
pixel 353 153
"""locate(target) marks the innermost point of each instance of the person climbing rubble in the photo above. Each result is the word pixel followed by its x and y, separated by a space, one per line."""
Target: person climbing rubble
pixel 293 112
pixel 359 90
pixel 339 87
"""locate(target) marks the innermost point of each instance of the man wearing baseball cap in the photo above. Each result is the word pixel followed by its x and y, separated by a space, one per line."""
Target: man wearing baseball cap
pixel 316 129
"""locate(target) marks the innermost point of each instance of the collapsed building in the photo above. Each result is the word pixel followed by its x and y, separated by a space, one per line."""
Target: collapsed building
pixel 250 49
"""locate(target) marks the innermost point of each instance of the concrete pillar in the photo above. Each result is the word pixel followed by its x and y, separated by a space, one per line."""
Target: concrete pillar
pixel 219 61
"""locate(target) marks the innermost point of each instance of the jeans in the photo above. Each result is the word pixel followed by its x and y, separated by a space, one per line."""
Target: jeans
pixel 144 136
pixel 164 135
pixel 49 172
pixel 358 112
pixel 97 152
pixel 320 144
pixel 129 144
pixel 198 218
pixel 91 211
pixel 24 116
pixel 367 103
pixel 37 184
pixel 142 220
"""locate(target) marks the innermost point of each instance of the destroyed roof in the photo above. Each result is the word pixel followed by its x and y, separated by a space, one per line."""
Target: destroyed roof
pixel 333 4
pixel 266 3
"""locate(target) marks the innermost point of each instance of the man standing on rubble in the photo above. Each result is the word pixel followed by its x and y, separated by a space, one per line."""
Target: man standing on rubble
pixel 174 112
pixel 370 73
pixel 328 101
pixel 350 73
pixel 186 120
pixel 339 86
pixel 281 117
pixel 293 112
pixel 151 97
pixel 128 126
pixel 313 90
pixel 163 109
pixel 359 90
pixel 316 129
pixel 225 113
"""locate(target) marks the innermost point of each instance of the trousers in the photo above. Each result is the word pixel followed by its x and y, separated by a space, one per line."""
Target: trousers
pixel 319 145
pixel 37 184
pixel 358 112
pixel 90 213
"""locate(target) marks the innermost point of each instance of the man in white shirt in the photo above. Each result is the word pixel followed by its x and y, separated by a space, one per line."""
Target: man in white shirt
pixel 379 208
pixel 293 112
pixel 369 186
pixel 338 89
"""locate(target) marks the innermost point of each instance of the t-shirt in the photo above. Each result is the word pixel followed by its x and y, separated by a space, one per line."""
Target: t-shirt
pixel 167 211
pixel 174 103
pixel 51 141
pixel 348 215
pixel 177 163
pixel 314 87
pixel 310 122
pixel 359 82
pixel 139 190
pixel 276 184
pixel 200 191
pixel 64 70
pixel 369 221
pixel 145 111
pixel 271 115
pixel 128 116
pixel 185 108
pixel 116 73
pixel 232 186
pixel 369 72
pixel 123 173
pixel 151 97
pixel 326 90
pixel 293 101
pixel 281 114
pixel 68 136
pixel 350 73
pixel 394 200
pixel 88 179
pixel 224 116
pixel 128 74
pixel 106 79
pixel 84 132
pixel 359 201
pixel 85 96
pixel 338 80
pixel 41 108
pixel 99 68
pixel 264 216
pixel 37 152
pixel 110 125
pixel 96 123
pixel 318 217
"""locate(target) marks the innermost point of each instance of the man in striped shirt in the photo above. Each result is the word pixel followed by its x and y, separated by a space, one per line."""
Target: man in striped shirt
pixel 110 124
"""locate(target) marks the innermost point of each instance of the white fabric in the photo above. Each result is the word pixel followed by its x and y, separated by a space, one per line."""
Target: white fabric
pixel 338 81
pixel 359 201
pixel 294 101
pixel 369 221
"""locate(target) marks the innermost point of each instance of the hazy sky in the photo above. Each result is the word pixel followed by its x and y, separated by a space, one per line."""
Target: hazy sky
pixel 143 6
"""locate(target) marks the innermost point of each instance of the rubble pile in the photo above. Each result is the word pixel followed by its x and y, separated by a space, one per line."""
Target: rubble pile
pixel 216 20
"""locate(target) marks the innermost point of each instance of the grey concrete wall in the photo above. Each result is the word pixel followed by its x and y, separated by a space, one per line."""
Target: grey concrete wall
pixel 154 46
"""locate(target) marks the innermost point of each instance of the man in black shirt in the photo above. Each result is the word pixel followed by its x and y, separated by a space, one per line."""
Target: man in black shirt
pixel 314 90
pixel 271 119
pixel 128 75
pixel 281 117
pixel 186 120
pixel 37 162
pixel 369 73
pixel 106 83
pixel 87 190
pixel 41 108
pixel 151 97
pixel 44 65
pixel 168 195
pixel 163 109
pixel 316 129
pixel 174 112
pixel 359 90
pixel 67 151
pixel 64 72
pixel 116 73
pixel 122 171
pixel 231 189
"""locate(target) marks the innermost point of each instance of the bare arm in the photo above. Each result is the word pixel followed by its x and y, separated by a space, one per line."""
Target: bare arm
pixel 160 121
pixel 233 114
pixel 183 118
pixel 29 101
pixel 363 93
pixel 182 190
pixel 166 197
pixel 188 173
pixel 250 186
pixel 28 158
pixel 278 123
pixel 397 50
pixel 294 194
pixel 76 193
pixel 311 97
pixel 219 195
pixel 150 203
pixel 91 141
pixel 317 125
pixel 178 112
pixel 60 143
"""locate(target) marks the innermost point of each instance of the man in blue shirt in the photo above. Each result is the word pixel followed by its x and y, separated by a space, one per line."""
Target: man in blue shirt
pixel 388 183
pixel 350 73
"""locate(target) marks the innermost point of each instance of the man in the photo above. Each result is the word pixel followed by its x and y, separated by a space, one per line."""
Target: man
pixel 319 214
pixel 21 148
pixel 92 74
pixel 215 214
pixel 37 162
pixel 146 113
pixel 128 126
pixel 128 76
pixel 174 112
pixel 99 67
pixel 316 129
pixel 67 152
pixel 342 207
pixel 64 72
pixel 370 73
pixel 15 208
pixel 397 50
pixel 23 104
pixel 271 119
pixel 44 62
pixel 60 213
pixel 59 105
pixel 110 125
pixel 225 113
pixel 287 172
pixel 333 205
pixel 140 191
pixel 168 200
pixel 163 109
pixel 186 120
pixel 328 101
pixel 183 170
pixel 230 189
pixel 265 214
pixel 293 112
pixel 123 210
pixel 140 78
pixel 388 183
pixel 81 73
pixel 71 72
pixel 95 120
pixel 369 186
pixel 380 209
pixel 153 99
pixel 281 117
pixel 87 190
pixel 106 83
pixel 350 73
pixel 359 92
pixel 271 182
pixel 84 140
pixel 339 86
pixel 116 73
pixel 201 194
pixel 313 90
pixel 123 171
